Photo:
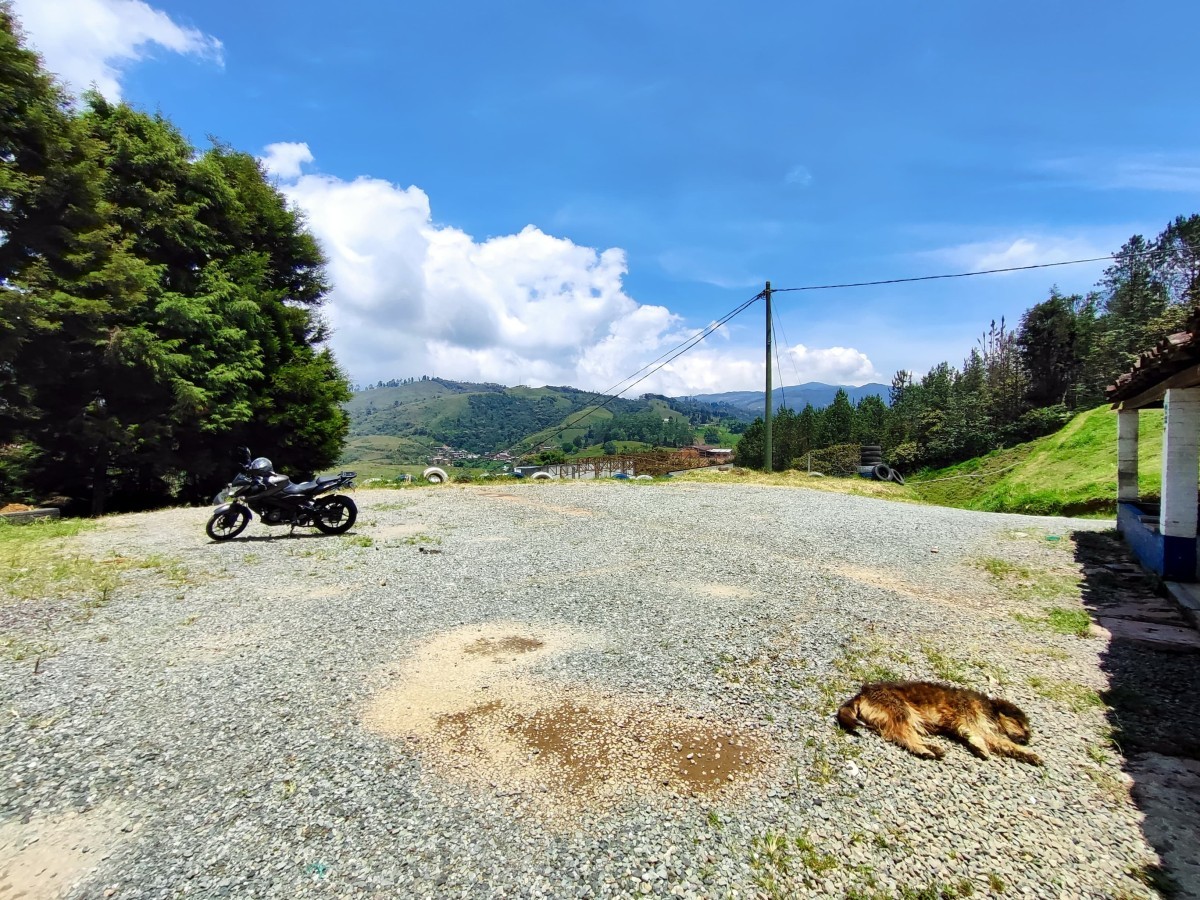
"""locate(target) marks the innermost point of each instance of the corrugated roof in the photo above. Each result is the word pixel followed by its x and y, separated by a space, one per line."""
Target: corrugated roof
pixel 1172 355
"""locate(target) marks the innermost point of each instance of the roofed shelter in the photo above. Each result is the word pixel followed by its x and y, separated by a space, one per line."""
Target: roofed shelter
pixel 1162 535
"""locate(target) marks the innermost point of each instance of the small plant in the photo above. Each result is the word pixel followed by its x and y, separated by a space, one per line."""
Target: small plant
pixel 360 540
pixel 996 884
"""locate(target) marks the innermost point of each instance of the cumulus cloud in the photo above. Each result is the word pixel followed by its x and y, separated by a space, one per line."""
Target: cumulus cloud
pixel 86 42
pixel 411 297
pixel 832 365
pixel 284 160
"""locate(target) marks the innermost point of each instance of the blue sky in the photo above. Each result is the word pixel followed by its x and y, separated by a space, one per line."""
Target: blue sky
pixel 560 192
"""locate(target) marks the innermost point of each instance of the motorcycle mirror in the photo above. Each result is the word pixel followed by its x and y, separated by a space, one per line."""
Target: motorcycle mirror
pixel 242 456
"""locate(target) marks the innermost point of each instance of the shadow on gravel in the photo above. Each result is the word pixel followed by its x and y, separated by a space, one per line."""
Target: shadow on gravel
pixel 252 538
pixel 1153 703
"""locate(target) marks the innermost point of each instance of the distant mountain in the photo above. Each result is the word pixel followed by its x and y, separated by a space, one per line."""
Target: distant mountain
pixel 795 397
pixel 407 421
pixel 480 418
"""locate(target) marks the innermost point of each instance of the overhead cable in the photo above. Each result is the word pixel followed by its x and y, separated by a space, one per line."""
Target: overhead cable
pixel 827 287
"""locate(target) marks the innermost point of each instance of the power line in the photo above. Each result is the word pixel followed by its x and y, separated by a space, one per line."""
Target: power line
pixel 828 287
pixel 667 357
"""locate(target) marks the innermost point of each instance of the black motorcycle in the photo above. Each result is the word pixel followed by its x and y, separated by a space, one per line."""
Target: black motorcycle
pixel 259 488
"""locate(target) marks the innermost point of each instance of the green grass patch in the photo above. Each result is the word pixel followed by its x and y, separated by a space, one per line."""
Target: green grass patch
pixel 1028 583
pixel 944 666
pixel 421 539
pixel 1069 473
pixel 33 564
pixel 1076 696
pixel 1059 620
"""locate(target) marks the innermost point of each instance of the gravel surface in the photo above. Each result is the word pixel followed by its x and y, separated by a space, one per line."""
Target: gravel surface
pixel 492 691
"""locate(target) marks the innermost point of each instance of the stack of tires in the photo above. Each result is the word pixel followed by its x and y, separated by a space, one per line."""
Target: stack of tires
pixel 871 465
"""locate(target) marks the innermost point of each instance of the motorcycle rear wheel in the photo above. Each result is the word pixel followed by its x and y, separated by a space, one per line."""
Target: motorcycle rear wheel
pixel 229 524
pixel 336 514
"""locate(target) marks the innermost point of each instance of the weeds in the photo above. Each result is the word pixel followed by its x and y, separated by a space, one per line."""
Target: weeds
pixel 360 540
pixel 783 866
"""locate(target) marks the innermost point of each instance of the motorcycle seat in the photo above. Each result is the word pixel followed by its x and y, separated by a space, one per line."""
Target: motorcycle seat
pixel 307 486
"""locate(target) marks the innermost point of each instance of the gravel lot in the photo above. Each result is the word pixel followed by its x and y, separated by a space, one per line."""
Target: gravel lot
pixel 493 691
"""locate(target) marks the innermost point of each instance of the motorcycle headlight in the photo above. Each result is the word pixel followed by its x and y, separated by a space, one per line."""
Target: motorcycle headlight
pixel 222 498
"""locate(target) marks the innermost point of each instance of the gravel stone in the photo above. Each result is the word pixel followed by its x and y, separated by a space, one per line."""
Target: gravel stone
pixel 210 734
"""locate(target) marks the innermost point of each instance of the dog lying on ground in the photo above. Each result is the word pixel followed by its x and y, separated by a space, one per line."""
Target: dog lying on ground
pixel 907 712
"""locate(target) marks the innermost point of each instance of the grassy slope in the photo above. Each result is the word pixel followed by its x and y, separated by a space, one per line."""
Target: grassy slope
pixel 1070 472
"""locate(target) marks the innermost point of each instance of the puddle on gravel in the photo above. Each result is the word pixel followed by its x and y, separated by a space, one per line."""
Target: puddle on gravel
pixel 513 643
pixel 469 701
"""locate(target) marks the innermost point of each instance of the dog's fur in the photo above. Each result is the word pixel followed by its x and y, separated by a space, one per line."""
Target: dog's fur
pixel 907 712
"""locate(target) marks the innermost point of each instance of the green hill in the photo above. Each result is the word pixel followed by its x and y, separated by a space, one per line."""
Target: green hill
pixel 478 418
pixel 1070 472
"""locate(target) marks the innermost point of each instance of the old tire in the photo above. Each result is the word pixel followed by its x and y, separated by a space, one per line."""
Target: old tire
pixel 897 477
pixel 434 475
pixel 881 473
pixel 541 476
pixel 336 514
pixel 226 525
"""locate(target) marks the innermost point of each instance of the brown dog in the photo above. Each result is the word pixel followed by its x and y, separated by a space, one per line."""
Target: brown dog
pixel 906 712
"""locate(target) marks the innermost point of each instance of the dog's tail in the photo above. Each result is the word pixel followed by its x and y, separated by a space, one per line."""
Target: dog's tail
pixel 848 714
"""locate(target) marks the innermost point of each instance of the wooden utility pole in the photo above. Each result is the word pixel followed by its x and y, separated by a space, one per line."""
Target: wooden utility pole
pixel 767 452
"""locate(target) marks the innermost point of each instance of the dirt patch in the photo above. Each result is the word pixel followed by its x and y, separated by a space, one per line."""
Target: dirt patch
pixel 481 717
pixel 888 581
pixel 44 858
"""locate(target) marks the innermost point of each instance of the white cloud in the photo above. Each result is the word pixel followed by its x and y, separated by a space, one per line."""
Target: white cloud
pixel 285 159
pixel 1012 252
pixel 86 42
pixel 410 298
pixel 799 176
pixel 832 365
pixel 1149 172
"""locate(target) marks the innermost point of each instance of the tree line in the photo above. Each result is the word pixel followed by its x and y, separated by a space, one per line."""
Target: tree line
pixel 158 305
pixel 1015 384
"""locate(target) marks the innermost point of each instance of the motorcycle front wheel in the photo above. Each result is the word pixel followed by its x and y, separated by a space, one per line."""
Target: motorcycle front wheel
pixel 336 514
pixel 229 524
